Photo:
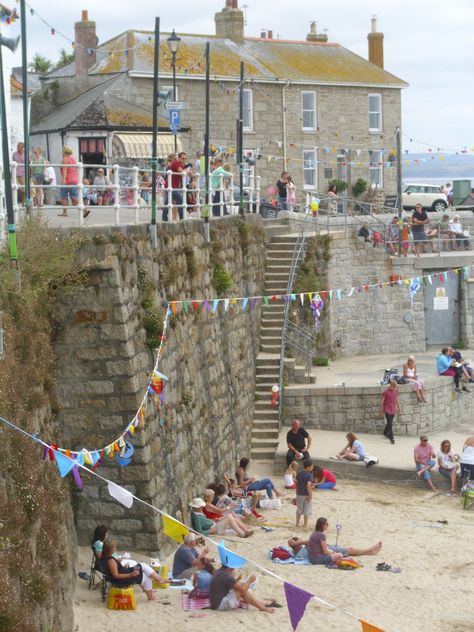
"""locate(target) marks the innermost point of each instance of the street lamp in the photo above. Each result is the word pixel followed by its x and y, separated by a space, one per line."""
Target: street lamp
pixel 12 45
pixel 173 44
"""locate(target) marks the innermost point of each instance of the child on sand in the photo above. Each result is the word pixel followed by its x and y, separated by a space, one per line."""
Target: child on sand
pixel 202 579
pixel 323 479
pixel 304 493
pixel 289 478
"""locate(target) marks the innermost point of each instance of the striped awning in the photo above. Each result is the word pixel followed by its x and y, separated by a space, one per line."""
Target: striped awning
pixel 138 145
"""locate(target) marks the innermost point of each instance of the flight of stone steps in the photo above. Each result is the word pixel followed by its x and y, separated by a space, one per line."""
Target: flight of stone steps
pixel 266 427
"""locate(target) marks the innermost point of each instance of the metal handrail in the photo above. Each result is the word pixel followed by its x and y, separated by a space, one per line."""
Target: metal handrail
pixel 305 347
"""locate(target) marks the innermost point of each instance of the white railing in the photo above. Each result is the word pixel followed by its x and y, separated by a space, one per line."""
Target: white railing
pixel 126 191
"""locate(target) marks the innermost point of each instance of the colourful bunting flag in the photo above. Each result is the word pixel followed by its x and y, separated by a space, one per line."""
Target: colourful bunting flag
pixel 215 305
pixel 228 558
pixel 368 627
pixel 297 600
pixel 185 307
pixel 244 304
pixel 174 529
pixel 195 305
pixel 207 306
pixel 226 304
pixel 173 308
pixel 121 494
pixel 64 464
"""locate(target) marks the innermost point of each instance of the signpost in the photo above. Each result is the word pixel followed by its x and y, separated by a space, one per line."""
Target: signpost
pixel 174 105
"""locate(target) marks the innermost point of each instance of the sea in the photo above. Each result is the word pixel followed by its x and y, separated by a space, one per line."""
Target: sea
pixel 443 180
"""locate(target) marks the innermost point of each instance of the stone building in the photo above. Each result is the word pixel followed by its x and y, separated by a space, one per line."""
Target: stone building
pixel 311 107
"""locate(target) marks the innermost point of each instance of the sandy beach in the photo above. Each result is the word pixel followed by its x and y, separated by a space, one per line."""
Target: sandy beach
pixel 434 590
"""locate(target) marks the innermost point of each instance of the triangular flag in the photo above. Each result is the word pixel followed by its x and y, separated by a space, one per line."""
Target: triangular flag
pixel 445 275
pixel 368 627
pixel 226 304
pixel 440 277
pixel 430 280
pixel 174 530
pixel 64 464
pixel 254 302
pixel 351 291
pixel 323 295
pixel 229 559
pixel 119 493
pixel 173 307
pixel 215 304
pixel 160 375
pixel 195 305
pixel 185 307
pixel 244 304
pixel 207 306
pixel 265 300
pixel 297 600
pixel 302 298
pixel 330 294
pixel 80 458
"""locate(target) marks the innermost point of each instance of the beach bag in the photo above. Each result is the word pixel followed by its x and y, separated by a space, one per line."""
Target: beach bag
pixel 270 503
pixel 280 553
pixel 401 380
pixel 370 460
pixel 388 375
pixel 348 564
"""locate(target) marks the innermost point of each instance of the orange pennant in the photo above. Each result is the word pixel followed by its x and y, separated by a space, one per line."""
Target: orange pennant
pixel 368 627
pixel 173 308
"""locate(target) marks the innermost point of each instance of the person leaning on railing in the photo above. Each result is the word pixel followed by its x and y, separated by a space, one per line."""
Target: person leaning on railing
pixel 220 171
pixel 178 185
pixel 69 179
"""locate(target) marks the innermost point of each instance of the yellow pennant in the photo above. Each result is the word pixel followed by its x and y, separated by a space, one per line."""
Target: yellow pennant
pixel 174 530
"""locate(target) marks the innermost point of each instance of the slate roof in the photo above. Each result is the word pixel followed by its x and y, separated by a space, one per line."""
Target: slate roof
pixel 34 82
pixel 300 61
pixel 96 108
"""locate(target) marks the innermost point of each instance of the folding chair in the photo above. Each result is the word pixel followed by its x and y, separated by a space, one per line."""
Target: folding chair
pixel 98 576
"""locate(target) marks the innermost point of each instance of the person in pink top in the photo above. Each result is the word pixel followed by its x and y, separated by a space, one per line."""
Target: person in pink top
pixel 425 461
pixel 69 177
pixel 19 157
pixel 389 406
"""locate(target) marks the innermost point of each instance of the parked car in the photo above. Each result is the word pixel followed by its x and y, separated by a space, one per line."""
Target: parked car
pixel 430 196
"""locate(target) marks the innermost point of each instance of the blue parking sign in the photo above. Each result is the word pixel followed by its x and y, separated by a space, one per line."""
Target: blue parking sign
pixel 175 120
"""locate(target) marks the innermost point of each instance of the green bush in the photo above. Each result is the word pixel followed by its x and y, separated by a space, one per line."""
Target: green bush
pixel 359 187
pixel 321 361
pixel 341 185
pixel 221 281
pixel 153 325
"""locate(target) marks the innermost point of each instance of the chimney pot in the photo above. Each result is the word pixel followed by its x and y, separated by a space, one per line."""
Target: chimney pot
pixel 375 40
pixel 270 34
pixel 314 36
pixel 263 34
pixel 313 30
pixel 84 15
pixel 374 24
pixel 85 38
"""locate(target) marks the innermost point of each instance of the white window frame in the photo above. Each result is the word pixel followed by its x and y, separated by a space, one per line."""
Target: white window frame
pixel 378 168
pixel 378 112
pixel 341 162
pixel 313 111
pixel 248 124
pixel 314 168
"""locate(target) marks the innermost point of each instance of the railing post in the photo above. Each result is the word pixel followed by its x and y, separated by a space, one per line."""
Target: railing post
pixel 257 204
pixel 197 196
pixel 135 193
pixel 14 190
pixel 116 187
pixel 221 195
pixel 183 195
pixel 169 202
pixel 80 192
pixel 3 216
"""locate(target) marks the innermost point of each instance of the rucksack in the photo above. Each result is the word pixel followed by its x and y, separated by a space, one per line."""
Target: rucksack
pixel 279 552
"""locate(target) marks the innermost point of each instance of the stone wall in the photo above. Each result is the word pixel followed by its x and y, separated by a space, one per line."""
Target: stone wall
pixel 354 409
pixel 104 362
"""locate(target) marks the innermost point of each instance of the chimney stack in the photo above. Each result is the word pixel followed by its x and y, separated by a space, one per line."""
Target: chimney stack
pixel 85 38
pixel 263 34
pixel 375 44
pixel 270 34
pixel 230 22
pixel 314 36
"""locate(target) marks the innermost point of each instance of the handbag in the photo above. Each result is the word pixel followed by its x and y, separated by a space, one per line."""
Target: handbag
pixel 389 375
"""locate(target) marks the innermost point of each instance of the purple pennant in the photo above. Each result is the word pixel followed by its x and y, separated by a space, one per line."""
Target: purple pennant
pixel 253 303
pixel 44 456
pixel 77 478
pixel 297 600
pixel 207 306
pixel 162 397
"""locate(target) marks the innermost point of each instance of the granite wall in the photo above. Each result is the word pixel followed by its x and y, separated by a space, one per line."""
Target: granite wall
pixel 104 362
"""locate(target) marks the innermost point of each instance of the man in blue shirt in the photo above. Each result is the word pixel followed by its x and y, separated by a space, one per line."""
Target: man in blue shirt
pixel 185 562
pixel 446 365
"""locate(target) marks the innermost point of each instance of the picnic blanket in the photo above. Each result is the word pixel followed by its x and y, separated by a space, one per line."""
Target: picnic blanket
pixel 199 603
pixel 290 560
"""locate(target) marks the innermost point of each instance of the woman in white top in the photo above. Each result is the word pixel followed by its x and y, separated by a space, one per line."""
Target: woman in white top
pixel 456 228
pixel 446 465
pixel 467 459
pixel 409 372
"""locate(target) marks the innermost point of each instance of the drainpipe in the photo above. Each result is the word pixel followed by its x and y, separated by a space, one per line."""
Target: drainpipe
pixel 283 107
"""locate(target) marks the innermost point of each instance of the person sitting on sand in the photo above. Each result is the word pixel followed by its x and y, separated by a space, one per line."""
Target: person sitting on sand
pixel 424 460
pixel 289 478
pixel 205 526
pixel 323 478
pixel 242 507
pixel 122 576
pixel 202 579
pixel 417 384
pixel 446 464
pixel 216 512
pixel 353 451
pixel 319 552
pixel 186 561
pixel 467 459
pixel 252 484
pixel 227 591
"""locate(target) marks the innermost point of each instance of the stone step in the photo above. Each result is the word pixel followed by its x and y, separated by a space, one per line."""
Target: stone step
pixel 277 266
pixel 270 348
pixel 271 328
pixel 284 239
pixel 269 416
pixel 274 247
pixel 275 276
pixel 261 433
pixel 263 449
pixel 264 339
pixel 273 316
pixel 267 378
pixel 270 369
pixel 264 404
pixel 268 361
pixel 275 289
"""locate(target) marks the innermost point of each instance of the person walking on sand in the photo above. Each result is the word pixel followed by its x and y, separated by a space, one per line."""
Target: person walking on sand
pixel 319 552
pixel 304 493
pixel 425 455
pixel 389 406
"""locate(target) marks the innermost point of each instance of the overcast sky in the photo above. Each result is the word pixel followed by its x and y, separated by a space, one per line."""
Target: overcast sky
pixel 428 43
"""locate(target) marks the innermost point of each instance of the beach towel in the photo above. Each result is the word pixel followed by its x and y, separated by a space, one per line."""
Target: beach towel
pixel 195 603
pixel 290 560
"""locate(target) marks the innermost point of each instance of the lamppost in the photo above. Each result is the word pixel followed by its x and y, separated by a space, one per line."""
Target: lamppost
pixel 173 44
pixel 12 45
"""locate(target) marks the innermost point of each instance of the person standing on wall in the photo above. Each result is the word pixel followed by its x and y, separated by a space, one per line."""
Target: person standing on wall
pixel 298 441
pixel 178 184
pixel 390 406
pixel 281 185
pixel 419 221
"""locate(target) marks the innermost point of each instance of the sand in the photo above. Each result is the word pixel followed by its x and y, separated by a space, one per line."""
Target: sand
pixel 435 589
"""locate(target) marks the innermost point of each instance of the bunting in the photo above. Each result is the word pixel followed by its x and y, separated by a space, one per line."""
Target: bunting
pixel 297 599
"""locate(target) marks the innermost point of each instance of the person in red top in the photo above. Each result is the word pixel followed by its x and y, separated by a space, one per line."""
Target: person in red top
pixel 323 479
pixel 178 183
pixel 69 176
pixel 390 406
pixel 425 455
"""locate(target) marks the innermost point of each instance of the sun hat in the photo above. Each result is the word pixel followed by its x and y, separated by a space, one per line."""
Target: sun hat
pixel 197 503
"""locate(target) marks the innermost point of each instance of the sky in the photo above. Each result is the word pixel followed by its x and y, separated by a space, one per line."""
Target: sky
pixel 428 43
